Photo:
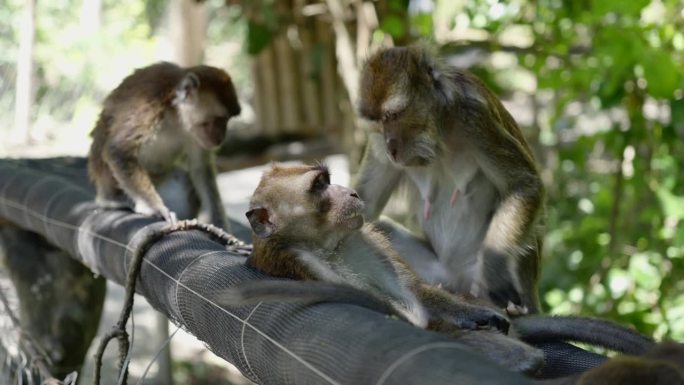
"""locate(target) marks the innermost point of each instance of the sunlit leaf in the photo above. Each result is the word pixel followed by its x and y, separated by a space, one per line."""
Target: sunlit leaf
pixel 629 8
pixel 662 75
pixel 393 25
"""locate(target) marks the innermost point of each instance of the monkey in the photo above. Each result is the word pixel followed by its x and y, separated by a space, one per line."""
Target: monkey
pixel 474 191
pixel 159 116
pixel 662 365
pixel 305 228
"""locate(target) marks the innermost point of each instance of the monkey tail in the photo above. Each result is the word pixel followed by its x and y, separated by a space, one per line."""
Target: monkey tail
pixel 302 292
pixel 596 332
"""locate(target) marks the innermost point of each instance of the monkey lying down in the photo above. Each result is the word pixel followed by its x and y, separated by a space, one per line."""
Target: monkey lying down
pixel 307 229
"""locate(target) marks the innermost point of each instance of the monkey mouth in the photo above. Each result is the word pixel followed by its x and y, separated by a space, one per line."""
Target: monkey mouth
pixel 418 161
pixel 415 161
pixel 352 222
pixel 212 139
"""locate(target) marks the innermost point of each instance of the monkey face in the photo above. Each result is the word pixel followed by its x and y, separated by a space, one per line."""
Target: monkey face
pixel 202 111
pixel 396 93
pixel 205 119
pixel 298 203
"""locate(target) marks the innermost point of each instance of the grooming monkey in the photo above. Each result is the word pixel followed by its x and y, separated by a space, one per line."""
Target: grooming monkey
pixel 158 116
pixel 473 187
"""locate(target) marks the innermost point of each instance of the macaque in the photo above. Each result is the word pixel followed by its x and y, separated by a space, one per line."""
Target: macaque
pixel 306 228
pixel 157 117
pixel 474 191
pixel 662 365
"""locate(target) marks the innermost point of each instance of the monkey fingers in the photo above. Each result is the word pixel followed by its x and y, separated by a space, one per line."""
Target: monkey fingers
pixel 473 318
pixel 168 215
pixel 142 207
pixel 514 310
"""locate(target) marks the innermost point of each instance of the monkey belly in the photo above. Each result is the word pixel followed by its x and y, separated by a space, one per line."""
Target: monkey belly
pixel 457 225
pixel 161 154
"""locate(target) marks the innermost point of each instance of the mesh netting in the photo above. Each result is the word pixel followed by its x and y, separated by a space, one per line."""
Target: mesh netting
pixel 329 343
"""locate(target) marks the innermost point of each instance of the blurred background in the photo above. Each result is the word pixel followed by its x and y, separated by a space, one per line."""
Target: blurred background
pixel 596 85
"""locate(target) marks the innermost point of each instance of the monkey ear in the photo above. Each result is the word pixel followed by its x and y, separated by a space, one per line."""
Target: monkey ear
pixel 444 86
pixel 187 87
pixel 260 221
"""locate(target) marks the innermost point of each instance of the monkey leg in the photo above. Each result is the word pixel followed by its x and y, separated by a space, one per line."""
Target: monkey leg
pixel 507 284
pixel 108 193
pixel 179 195
pixel 415 251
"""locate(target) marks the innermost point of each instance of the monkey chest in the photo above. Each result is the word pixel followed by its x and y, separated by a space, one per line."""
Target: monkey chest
pixel 162 152
pixel 452 204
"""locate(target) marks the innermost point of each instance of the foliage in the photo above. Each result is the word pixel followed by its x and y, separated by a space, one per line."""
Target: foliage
pixel 603 80
pixel 607 78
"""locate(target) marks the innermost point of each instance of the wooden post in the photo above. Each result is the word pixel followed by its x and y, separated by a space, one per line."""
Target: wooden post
pixel 25 82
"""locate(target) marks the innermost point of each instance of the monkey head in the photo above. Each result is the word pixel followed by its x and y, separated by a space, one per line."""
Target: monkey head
pixel 405 90
pixel 299 204
pixel 205 100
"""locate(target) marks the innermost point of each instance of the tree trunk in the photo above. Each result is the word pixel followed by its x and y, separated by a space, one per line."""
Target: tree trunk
pixel 25 81
pixel 91 16
pixel 187 27
pixel 60 301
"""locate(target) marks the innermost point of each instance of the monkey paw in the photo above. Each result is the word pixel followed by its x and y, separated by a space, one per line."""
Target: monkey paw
pixel 483 318
pixel 514 310
pixel 163 211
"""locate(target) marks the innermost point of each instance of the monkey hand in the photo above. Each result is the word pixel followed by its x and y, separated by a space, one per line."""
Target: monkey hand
pixel 514 310
pixel 142 207
pixel 480 317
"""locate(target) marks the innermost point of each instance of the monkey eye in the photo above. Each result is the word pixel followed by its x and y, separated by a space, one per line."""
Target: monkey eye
pixel 389 116
pixel 320 183
pixel 221 122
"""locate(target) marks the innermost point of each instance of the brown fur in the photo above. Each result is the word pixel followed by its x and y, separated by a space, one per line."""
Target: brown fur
pixel 134 114
pixel 285 214
pixel 451 112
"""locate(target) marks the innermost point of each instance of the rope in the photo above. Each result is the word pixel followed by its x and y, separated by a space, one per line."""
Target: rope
pixel 119 330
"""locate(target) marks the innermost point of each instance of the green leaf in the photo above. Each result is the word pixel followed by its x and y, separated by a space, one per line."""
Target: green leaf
pixel 422 23
pixel 258 37
pixel 393 25
pixel 677 108
pixel 661 73
pixel 673 205
pixel 628 8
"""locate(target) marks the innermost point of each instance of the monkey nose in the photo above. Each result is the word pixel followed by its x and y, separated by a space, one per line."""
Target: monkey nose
pixel 392 148
pixel 353 194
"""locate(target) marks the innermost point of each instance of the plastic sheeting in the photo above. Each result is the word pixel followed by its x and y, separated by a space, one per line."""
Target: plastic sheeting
pixel 327 343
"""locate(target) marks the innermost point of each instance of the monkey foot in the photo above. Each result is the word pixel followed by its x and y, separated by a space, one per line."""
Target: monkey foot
pixel 483 318
pixel 142 207
pixel 514 310
pixel 454 196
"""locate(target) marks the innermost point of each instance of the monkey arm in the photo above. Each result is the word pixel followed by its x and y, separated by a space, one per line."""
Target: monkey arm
pixel 447 311
pixel 510 248
pixel 376 179
pixel 201 167
pixel 135 181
